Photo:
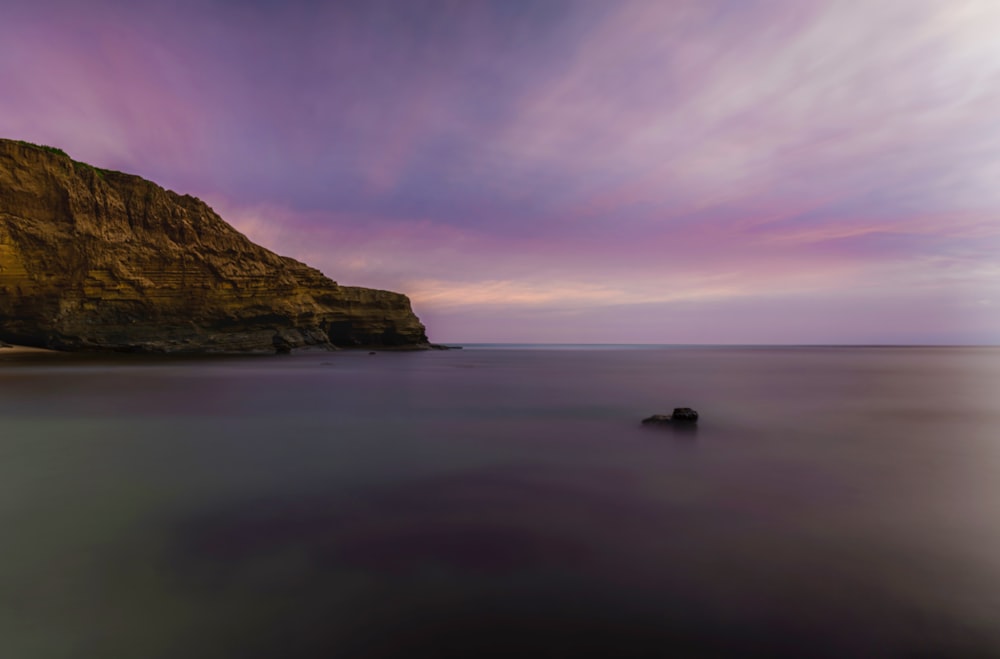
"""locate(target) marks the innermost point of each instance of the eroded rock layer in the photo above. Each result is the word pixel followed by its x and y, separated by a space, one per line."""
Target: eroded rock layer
pixel 101 260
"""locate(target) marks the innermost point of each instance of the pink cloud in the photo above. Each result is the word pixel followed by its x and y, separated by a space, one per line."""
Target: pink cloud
pixel 667 158
pixel 104 92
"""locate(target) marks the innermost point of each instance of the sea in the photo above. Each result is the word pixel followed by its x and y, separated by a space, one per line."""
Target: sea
pixel 502 501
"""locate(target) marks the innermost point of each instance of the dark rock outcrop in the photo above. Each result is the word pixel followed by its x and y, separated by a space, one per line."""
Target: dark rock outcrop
pixel 681 415
pixel 684 415
pixel 92 259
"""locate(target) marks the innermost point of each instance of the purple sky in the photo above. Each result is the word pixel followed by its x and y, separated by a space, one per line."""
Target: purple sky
pixel 679 171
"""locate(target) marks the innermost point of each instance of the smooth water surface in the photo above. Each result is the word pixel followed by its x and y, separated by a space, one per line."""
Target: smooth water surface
pixel 502 502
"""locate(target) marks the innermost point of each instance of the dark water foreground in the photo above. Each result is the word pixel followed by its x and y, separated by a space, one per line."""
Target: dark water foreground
pixel 833 502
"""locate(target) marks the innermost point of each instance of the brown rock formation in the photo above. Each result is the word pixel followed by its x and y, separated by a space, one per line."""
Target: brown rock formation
pixel 101 260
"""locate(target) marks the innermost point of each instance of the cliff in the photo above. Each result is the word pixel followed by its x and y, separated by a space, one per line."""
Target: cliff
pixel 92 259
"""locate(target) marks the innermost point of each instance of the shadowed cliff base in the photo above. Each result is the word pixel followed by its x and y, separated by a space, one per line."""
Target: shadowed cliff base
pixel 93 259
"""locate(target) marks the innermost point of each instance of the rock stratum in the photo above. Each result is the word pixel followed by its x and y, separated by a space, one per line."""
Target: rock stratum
pixel 92 259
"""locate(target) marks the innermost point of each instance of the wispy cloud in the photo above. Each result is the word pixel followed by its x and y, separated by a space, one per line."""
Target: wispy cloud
pixel 493 156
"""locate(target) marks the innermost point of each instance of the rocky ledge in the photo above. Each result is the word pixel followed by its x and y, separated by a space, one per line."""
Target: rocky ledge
pixel 92 259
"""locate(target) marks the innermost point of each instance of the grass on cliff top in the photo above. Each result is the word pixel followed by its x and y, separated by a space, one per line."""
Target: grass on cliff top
pixel 76 163
pixel 97 170
pixel 44 147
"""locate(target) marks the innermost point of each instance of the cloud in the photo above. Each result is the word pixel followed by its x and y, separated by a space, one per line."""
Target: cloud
pixel 571 155
pixel 561 294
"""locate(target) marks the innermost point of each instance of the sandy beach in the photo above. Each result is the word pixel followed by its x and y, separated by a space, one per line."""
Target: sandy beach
pixel 8 349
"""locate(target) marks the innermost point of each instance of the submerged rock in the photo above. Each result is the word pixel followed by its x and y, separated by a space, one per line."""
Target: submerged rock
pixel 681 415
pixel 92 259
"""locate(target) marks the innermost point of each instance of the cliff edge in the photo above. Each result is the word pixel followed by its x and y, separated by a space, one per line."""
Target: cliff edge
pixel 92 259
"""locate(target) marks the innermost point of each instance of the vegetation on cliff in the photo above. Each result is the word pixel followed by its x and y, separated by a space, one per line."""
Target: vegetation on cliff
pixel 93 259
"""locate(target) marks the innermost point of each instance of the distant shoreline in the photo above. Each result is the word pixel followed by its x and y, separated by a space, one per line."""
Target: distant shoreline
pixel 7 349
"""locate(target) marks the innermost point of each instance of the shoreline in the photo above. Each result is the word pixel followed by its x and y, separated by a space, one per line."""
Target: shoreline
pixel 10 349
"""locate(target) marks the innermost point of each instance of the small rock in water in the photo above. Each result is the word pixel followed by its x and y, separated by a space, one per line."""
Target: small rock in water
pixel 680 415
pixel 684 414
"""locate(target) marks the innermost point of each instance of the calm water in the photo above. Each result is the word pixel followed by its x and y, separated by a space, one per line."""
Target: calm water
pixel 503 502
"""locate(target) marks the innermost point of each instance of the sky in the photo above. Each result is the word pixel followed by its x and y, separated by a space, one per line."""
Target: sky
pixel 671 171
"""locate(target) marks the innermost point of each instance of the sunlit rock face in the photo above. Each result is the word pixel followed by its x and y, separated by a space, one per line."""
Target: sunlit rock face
pixel 92 259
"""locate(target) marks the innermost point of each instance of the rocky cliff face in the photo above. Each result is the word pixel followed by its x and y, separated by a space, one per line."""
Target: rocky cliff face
pixel 101 260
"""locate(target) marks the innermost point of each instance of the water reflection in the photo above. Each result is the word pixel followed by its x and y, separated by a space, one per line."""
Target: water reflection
pixel 492 503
